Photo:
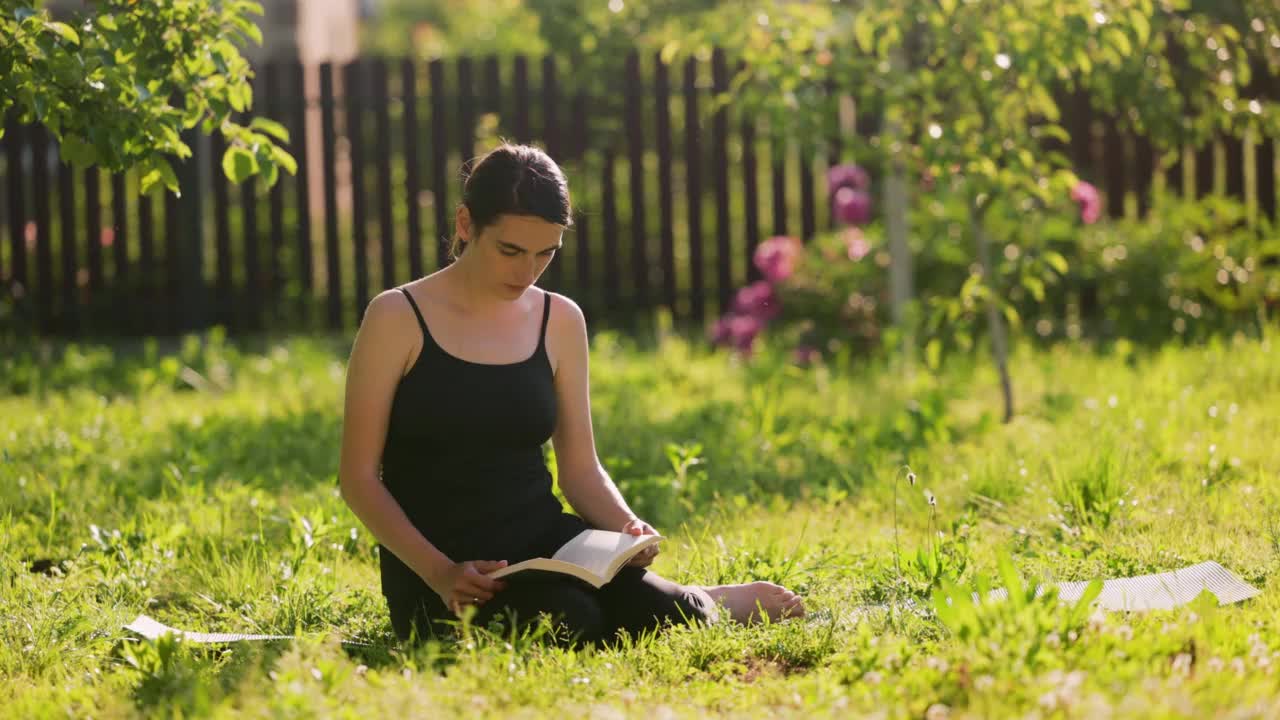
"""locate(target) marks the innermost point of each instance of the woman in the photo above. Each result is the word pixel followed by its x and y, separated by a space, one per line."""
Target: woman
pixel 455 383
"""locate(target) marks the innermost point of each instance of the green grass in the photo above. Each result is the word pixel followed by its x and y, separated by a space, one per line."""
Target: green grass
pixel 197 484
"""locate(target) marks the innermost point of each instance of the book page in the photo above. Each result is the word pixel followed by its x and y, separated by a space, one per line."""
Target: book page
pixel 596 550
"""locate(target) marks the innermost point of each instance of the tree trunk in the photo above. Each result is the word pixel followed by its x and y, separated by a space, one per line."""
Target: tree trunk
pixel 995 325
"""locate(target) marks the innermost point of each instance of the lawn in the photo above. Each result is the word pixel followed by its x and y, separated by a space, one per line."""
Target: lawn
pixel 197 484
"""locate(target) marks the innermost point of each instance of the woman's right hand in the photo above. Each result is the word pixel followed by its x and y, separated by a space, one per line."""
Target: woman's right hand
pixel 465 583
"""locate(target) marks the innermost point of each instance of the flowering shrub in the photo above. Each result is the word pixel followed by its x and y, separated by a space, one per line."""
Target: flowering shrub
pixel 794 297
pixel 1189 269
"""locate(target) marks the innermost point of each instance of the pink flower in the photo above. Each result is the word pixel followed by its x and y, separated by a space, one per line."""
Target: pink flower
pixel 107 237
pixel 776 257
pixel 720 333
pixel 852 206
pixel 856 243
pixel 806 355
pixel 743 330
pixel 1086 196
pixel 850 176
pixel 757 300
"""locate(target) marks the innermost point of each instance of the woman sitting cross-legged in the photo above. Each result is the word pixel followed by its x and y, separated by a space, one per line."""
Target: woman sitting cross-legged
pixel 455 382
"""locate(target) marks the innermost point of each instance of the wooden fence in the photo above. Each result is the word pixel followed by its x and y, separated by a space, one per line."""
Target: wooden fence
pixel 669 208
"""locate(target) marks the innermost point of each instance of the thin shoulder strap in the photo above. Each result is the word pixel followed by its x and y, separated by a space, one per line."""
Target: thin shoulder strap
pixel 421 323
pixel 546 313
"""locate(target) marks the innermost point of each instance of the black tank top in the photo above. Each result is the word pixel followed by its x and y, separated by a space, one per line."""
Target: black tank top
pixel 464 452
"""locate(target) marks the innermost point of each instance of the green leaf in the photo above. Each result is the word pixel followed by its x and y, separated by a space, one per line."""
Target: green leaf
pixel 285 160
pixel 238 164
pixel 270 173
pixel 23 13
pixel 863 31
pixel 1141 25
pixel 74 150
pixel 1012 582
pixel 948 7
pixel 236 97
pixel 1056 261
pixel 933 354
pixel 1036 286
pixel 107 22
pixel 64 31
pixel 270 127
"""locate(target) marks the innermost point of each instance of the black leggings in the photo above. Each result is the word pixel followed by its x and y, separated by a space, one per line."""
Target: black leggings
pixel 636 600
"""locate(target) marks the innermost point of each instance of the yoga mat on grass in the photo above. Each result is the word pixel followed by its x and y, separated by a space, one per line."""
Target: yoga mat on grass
pixel 1162 591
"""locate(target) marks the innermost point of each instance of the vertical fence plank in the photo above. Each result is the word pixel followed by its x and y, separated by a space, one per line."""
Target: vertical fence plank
pixel 491 90
pixel 187 290
pixel 750 195
pixel 1265 162
pixel 93 234
pixel 333 265
pixel 778 174
pixel 275 109
pixel 466 116
pixel 720 173
pixel 123 310
pixel 15 136
pixel 439 159
pixel 1204 169
pixel 666 200
pixel 693 190
pixel 43 292
pixel 1234 147
pixel 1265 149
pixel 552 136
pixel 1144 172
pixel 1113 163
pixel 1173 175
pixel 222 290
pixel 68 307
pixel 250 300
pixel 169 316
pixel 382 156
pixel 521 116
pixel 808 199
pixel 354 97
pixel 582 249
pixel 302 189
pixel 413 185
pixel 633 124
pixel 1078 122
pixel 609 192
pixel 147 295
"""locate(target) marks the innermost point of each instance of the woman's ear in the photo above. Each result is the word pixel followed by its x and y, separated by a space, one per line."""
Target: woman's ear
pixel 462 222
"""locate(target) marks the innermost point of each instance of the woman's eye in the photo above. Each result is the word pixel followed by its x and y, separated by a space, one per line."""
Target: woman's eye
pixel 510 253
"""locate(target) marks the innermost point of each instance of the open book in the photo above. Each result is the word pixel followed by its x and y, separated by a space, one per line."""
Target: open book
pixel 594 556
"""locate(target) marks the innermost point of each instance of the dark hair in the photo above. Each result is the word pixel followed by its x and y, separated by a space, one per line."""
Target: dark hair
pixel 513 180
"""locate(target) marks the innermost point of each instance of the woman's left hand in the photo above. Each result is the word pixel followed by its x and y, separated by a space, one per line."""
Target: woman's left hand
pixel 636 526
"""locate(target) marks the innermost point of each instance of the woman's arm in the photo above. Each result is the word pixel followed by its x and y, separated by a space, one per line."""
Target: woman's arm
pixel 585 484
pixel 378 359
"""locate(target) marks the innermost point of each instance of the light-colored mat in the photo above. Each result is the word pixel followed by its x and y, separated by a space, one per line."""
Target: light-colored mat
pixel 1162 591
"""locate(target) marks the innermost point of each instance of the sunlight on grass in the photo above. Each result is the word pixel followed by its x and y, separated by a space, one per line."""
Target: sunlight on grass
pixel 197 484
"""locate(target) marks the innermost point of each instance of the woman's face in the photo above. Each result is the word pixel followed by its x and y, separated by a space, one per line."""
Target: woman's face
pixel 515 251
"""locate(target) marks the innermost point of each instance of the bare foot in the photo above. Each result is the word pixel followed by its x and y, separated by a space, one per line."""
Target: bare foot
pixel 741 601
